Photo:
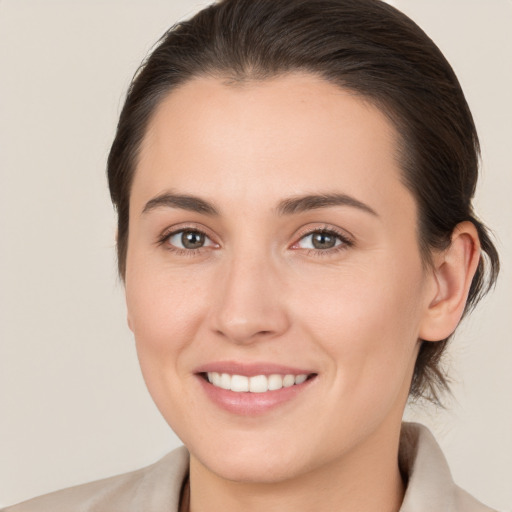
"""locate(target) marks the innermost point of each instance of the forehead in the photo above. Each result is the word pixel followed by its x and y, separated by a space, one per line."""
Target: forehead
pixel 259 140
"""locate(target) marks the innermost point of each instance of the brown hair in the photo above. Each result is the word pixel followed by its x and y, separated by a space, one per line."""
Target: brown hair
pixel 365 46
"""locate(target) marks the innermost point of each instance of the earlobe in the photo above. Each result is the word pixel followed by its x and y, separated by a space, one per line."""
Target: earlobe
pixel 453 273
pixel 129 322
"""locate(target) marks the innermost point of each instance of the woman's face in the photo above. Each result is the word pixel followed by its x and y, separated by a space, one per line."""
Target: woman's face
pixel 270 234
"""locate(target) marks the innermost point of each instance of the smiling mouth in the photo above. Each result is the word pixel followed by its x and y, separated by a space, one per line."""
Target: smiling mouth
pixel 255 383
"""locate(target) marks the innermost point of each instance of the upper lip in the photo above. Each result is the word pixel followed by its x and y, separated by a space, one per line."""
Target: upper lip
pixel 251 369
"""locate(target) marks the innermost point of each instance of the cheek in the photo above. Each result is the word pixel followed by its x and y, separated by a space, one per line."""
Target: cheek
pixel 163 310
pixel 366 319
pixel 162 303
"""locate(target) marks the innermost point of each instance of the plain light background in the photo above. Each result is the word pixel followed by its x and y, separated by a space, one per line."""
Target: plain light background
pixel 73 405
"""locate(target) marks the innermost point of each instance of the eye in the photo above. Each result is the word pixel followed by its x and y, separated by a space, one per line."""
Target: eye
pixel 188 239
pixel 322 240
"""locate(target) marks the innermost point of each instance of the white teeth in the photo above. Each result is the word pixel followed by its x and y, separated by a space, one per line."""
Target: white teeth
pixel 289 380
pixel 275 382
pixel 239 383
pixel 299 379
pixel 225 381
pixel 256 384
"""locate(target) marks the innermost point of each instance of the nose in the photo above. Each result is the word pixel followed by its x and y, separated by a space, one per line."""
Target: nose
pixel 251 300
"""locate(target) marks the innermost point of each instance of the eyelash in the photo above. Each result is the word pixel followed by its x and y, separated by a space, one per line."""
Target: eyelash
pixel 345 244
pixel 164 238
pixel 345 241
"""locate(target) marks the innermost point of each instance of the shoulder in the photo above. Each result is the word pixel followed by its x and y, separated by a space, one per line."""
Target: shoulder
pixel 152 489
pixel 430 484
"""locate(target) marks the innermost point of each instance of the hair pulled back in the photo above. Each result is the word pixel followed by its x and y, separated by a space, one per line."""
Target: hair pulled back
pixel 365 46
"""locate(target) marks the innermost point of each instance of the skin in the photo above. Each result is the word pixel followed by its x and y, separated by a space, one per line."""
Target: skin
pixel 256 291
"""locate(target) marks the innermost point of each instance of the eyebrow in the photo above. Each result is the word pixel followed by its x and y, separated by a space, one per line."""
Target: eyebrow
pixel 182 201
pixel 288 206
pixel 314 201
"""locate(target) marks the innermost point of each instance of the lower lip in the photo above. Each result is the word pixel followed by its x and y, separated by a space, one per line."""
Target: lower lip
pixel 252 404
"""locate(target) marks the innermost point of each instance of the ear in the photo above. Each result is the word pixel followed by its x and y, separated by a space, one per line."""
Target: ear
pixel 129 322
pixel 453 273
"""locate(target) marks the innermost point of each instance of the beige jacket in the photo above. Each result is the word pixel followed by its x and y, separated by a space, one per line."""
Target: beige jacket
pixel 156 488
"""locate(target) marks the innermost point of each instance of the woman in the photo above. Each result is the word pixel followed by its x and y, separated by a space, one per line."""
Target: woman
pixel 293 183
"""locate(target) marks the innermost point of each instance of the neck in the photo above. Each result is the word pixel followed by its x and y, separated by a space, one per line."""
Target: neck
pixel 367 480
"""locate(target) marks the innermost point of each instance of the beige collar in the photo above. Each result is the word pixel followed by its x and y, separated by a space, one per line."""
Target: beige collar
pixel 430 485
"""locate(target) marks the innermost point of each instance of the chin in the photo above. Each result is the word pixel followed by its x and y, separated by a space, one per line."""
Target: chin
pixel 256 470
pixel 258 460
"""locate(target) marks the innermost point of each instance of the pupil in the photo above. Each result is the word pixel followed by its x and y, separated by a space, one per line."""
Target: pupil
pixel 323 241
pixel 192 239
